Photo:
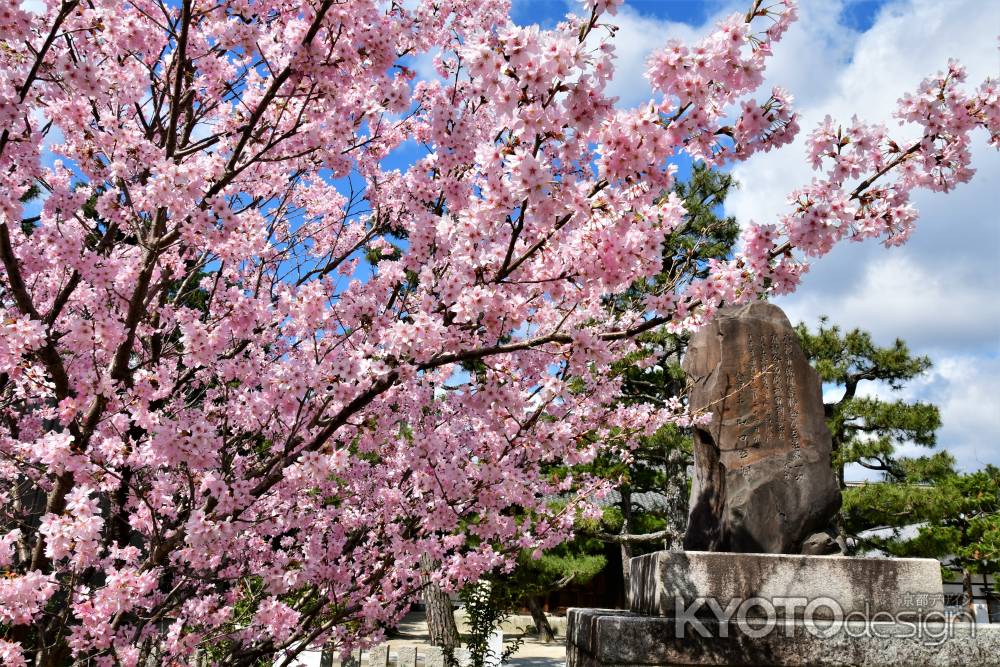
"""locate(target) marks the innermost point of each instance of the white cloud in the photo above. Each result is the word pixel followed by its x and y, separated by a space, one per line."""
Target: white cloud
pixel 638 35
pixel 938 292
pixel 830 69
pixel 966 389
pixel 898 296
pixel 817 45
pixel 423 65
pixel 822 47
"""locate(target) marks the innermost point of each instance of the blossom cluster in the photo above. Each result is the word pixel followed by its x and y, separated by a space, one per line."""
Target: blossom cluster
pixel 254 372
pixel 868 177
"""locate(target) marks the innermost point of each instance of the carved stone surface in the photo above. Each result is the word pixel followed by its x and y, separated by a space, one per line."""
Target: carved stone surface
pixel 763 481
pixel 712 608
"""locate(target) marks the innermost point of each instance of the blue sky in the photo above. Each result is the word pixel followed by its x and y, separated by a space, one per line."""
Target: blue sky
pixel 859 14
pixel 939 291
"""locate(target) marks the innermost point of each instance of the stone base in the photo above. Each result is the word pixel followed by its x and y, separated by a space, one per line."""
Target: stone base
pixel 715 608
pixel 664 582
pixel 609 638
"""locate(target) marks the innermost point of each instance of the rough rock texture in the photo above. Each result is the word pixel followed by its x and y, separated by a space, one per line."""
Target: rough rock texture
pixel 819 544
pixel 614 638
pixel 665 583
pixel 763 480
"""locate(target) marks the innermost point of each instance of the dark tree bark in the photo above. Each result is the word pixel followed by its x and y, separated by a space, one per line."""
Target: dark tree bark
pixel 970 601
pixel 676 492
pixel 626 547
pixel 545 632
pixel 440 614
pixel 838 520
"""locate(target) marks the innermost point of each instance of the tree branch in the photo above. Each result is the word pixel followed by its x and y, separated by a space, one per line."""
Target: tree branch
pixel 645 538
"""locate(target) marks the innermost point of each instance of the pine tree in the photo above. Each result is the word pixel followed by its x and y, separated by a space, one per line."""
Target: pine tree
pixel 866 430
pixel 536 575
pixel 958 519
pixel 957 516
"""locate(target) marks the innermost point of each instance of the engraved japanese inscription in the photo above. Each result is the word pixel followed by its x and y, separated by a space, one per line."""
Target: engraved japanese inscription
pixel 762 478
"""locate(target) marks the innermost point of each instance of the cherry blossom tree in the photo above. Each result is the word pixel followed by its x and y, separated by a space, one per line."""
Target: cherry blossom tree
pixel 250 374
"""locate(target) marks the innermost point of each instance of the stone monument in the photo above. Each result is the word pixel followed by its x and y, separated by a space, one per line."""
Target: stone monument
pixel 763 480
pixel 755 585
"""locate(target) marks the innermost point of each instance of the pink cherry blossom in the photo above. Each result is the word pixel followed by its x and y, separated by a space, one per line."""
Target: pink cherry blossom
pixel 284 318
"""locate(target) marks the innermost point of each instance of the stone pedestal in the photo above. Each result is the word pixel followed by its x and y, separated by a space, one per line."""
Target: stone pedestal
pixel 701 608
pixel 609 638
pixel 668 582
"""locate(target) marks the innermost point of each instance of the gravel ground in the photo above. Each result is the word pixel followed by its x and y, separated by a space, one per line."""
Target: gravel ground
pixel 531 652
pixel 413 631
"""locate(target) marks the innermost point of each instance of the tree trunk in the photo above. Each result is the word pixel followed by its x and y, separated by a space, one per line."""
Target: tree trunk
pixel 626 548
pixel 440 614
pixel 676 493
pixel 839 526
pixel 838 520
pixel 970 605
pixel 545 632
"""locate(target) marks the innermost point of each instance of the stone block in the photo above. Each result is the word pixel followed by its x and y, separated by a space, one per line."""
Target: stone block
pixel 407 656
pixel 665 579
pixel 613 638
pixel 378 656
pixel 433 656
